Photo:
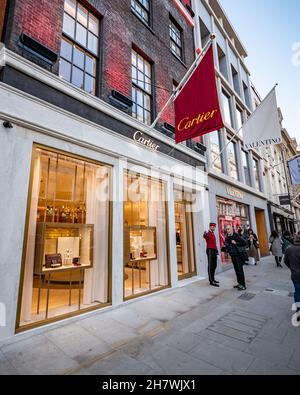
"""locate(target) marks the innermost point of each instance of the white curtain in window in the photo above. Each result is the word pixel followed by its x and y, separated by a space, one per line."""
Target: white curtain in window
pixel 97 213
pixel 30 251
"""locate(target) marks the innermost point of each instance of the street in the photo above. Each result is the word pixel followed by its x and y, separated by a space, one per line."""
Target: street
pixel 195 329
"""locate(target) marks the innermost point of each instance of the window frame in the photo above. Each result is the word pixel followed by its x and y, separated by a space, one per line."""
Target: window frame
pixel 138 87
pixel 147 11
pixel 234 145
pixel 173 24
pixel 74 43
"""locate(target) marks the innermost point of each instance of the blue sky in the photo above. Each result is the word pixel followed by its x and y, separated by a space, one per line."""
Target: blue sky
pixel 268 30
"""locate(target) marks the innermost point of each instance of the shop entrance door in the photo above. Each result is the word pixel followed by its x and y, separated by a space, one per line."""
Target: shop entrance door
pixel 184 241
pixel 262 232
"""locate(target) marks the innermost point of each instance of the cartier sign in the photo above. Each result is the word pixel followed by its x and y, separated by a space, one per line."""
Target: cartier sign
pixel 235 193
pixel 140 138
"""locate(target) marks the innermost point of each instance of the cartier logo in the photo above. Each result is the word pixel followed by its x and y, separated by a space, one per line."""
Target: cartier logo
pixel 147 142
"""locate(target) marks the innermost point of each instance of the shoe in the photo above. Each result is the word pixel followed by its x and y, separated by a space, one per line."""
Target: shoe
pixel 214 285
pixel 236 286
pixel 241 288
pixel 217 282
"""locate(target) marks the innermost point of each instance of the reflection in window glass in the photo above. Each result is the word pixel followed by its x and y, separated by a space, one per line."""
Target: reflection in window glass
pixel 79 46
pixel 227 108
pixel 232 159
pixel 256 174
pixel 245 160
pixel 141 88
pixel 142 9
pixel 215 148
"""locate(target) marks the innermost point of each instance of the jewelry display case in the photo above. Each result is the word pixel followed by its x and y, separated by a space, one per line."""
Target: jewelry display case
pixel 140 244
pixel 62 247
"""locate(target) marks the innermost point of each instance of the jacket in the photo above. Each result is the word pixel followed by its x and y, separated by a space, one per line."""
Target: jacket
pixel 287 241
pixel 276 246
pixel 292 260
pixel 235 250
pixel 255 241
pixel 211 241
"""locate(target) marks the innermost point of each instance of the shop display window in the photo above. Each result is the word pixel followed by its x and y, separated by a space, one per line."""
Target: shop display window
pixel 145 235
pixel 231 213
pixel 66 268
pixel 184 234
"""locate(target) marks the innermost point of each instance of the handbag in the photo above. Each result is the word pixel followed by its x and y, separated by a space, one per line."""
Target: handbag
pixel 53 261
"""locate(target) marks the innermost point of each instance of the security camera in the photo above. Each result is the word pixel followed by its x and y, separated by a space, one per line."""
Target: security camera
pixel 7 125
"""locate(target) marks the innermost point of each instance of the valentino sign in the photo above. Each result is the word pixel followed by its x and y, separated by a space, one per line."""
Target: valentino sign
pixel 140 138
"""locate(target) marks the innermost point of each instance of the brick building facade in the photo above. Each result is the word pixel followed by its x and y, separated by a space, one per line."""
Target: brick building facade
pixel 120 30
pixel 78 80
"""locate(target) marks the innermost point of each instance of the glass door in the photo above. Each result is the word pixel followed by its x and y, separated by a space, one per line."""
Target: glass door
pixel 184 239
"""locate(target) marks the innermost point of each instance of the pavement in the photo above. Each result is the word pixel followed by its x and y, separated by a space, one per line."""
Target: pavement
pixel 195 329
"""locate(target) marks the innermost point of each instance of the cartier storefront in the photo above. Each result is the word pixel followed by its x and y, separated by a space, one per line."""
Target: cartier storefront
pixel 67 262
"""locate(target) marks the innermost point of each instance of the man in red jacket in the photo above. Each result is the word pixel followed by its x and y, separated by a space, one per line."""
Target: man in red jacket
pixel 212 254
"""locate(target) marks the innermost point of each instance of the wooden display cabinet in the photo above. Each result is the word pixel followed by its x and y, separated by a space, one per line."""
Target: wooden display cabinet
pixel 62 247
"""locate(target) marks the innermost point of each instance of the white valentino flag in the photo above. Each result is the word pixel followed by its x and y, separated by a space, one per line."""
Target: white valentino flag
pixel 263 128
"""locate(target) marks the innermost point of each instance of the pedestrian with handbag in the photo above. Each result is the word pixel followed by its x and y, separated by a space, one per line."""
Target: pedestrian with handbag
pixel 234 246
pixel 253 246
pixel 243 250
pixel 212 254
pixel 276 247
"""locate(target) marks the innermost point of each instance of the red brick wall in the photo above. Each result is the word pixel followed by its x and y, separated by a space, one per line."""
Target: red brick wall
pixel 2 15
pixel 40 19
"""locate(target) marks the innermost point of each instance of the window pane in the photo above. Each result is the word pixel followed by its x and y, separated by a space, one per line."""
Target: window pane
pixel 81 34
pixel 70 7
pixel 89 84
pixel 93 43
pixel 90 65
pixel 82 15
pixel 232 160
pixel 69 25
pixel 215 152
pixel 93 24
pixel 65 70
pixel 78 58
pixel 227 111
pixel 66 50
pixel 77 77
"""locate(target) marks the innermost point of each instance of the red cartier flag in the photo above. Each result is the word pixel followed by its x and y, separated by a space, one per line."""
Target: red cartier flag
pixel 197 108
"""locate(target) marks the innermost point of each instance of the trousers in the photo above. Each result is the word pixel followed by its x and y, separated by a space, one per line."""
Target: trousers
pixel 297 292
pixel 212 264
pixel 239 270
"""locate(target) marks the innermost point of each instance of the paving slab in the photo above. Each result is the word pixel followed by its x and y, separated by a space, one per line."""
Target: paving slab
pixel 38 356
pixel 235 361
pixel 262 367
pixel 195 329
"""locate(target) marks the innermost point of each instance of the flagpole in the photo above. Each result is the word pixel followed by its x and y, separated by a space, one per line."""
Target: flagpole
pixel 237 133
pixel 184 80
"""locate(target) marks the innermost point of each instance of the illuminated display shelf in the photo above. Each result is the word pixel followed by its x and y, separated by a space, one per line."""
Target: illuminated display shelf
pixel 63 245
pixel 140 244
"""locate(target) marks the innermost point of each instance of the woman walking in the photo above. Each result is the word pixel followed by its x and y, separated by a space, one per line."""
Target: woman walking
pixel 234 246
pixel 276 247
pixel 253 246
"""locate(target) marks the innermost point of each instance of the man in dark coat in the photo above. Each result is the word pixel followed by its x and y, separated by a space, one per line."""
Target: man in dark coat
pixel 212 254
pixel 292 260
pixel 234 246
